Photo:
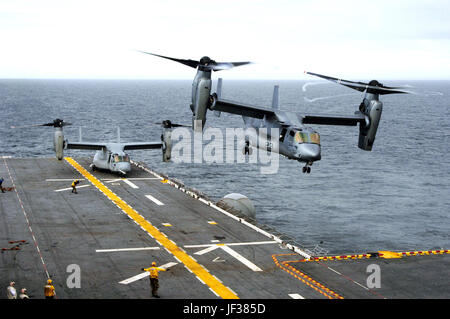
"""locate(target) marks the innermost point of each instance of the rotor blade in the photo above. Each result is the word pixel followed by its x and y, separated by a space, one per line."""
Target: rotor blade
pixel 54 123
pixel 180 125
pixel 191 63
pixel 57 123
pixel 360 86
pixel 218 66
pixel 386 90
pixel 25 126
pixel 169 124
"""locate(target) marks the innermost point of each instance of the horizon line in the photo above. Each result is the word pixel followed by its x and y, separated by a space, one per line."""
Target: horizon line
pixel 190 79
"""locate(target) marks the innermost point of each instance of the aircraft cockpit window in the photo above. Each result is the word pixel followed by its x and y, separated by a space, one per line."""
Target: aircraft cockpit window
pixel 121 158
pixel 313 138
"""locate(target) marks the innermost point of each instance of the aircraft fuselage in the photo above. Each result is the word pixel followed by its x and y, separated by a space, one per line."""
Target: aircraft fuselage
pixel 301 144
pixel 118 162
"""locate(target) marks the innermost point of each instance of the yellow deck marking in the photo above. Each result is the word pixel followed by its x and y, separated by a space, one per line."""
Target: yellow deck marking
pixel 389 254
pixel 304 278
pixel 215 285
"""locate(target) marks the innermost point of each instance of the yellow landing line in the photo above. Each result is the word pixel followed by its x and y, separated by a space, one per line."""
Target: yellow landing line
pixel 214 284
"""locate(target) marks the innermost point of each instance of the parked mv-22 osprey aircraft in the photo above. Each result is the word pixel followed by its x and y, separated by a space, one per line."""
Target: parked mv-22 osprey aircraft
pixel 296 140
pixel 109 155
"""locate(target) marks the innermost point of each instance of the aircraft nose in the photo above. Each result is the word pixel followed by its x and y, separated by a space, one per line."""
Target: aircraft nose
pixel 123 166
pixel 309 152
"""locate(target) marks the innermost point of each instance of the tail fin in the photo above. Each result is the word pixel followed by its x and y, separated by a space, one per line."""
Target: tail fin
pixel 276 98
pixel 275 105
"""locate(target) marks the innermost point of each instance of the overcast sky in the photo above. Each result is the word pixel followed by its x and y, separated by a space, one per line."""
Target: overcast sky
pixel 349 39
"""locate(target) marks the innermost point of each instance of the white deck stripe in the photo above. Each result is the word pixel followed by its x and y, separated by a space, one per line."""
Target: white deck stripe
pixel 125 249
pixel 132 185
pixel 113 180
pixel 296 296
pixel 69 188
pixel 207 250
pixel 241 258
pixel 144 274
pixel 134 278
pixel 62 179
pixel 153 199
pixel 141 178
pixel 103 179
pixel 168 265
pixel 233 244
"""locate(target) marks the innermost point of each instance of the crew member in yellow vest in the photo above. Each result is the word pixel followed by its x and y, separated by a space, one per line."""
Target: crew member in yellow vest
pixel 154 282
pixel 49 290
pixel 74 186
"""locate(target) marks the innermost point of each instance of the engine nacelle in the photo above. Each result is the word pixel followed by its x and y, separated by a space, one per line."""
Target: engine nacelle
pixel 166 138
pixel 200 103
pixel 58 143
pixel 367 133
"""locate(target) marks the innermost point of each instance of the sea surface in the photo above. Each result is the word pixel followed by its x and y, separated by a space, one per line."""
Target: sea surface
pixel 396 197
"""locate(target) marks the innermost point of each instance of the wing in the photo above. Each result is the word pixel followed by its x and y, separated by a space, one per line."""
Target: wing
pixel 284 117
pixel 324 119
pixel 86 146
pixel 142 145
pixel 219 104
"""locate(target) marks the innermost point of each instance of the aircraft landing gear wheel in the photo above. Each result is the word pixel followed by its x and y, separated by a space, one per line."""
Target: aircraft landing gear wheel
pixel 308 169
pixel 304 169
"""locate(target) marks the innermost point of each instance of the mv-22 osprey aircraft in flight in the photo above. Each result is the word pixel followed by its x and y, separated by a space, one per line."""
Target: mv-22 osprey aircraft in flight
pixel 109 155
pixel 296 140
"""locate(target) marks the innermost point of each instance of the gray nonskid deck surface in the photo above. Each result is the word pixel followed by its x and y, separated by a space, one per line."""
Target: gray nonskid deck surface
pixel 417 277
pixel 70 229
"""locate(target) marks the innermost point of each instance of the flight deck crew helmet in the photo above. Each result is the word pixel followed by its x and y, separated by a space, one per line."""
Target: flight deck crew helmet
pixel 153 264
pixel 49 281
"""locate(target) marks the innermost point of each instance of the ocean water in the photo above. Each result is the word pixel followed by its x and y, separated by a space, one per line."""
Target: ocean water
pixel 395 197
